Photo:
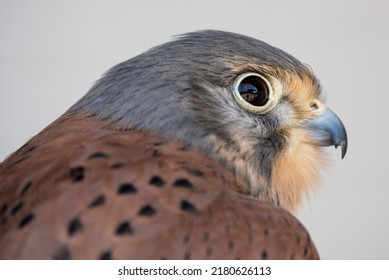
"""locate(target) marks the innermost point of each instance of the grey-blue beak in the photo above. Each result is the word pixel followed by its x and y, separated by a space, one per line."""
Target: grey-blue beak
pixel 327 129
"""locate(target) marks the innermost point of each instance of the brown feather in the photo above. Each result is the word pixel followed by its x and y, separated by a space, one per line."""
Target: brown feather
pixel 81 190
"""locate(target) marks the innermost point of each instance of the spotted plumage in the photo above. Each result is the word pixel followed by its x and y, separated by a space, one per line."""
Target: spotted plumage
pixel 159 161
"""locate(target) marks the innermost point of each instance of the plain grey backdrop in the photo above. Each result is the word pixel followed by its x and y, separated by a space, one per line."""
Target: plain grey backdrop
pixel 51 52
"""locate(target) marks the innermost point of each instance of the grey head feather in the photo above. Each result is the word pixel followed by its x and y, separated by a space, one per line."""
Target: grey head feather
pixel 182 89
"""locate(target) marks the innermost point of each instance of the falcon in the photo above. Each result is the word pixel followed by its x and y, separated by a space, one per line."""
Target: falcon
pixel 200 148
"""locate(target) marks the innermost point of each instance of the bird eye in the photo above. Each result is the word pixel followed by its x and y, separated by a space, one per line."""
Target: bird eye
pixel 255 93
pixel 254 90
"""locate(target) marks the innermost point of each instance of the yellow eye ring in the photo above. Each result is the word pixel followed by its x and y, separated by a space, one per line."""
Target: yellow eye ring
pixel 256 93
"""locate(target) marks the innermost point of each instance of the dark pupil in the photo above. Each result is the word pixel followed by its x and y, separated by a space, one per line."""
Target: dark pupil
pixel 254 90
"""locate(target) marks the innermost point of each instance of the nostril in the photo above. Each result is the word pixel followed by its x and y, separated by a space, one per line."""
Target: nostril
pixel 315 105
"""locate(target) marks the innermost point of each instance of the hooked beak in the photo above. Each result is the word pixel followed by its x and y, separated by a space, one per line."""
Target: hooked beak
pixel 327 130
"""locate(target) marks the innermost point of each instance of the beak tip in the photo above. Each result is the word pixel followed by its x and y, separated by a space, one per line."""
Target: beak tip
pixel 342 144
pixel 344 148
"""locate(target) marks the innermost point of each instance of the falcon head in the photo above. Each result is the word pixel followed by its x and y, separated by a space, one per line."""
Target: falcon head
pixel 250 106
